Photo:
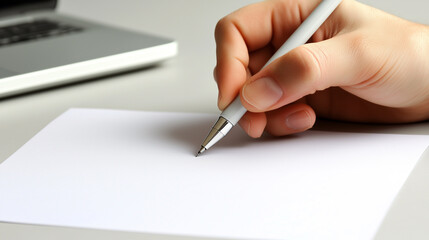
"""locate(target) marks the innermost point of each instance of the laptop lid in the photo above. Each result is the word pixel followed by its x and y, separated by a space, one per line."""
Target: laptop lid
pixel 11 7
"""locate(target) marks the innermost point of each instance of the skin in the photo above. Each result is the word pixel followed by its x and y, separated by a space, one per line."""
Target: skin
pixel 362 65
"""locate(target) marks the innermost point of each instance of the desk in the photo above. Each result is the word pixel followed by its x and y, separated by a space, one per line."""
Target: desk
pixel 172 86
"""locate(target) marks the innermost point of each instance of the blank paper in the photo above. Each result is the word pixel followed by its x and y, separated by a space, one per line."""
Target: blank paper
pixel 137 171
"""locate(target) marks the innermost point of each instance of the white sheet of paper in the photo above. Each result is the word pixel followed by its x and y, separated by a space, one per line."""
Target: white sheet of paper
pixel 136 171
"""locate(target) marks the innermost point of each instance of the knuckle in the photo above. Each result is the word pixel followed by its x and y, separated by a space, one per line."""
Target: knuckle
pixel 310 64
pixel 359 45
pixel 222 26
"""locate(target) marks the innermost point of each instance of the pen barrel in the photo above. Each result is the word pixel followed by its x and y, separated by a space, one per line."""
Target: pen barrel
pixel 234 111
pixel 307 28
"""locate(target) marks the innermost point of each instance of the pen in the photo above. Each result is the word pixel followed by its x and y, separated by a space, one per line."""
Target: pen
pixel 233 113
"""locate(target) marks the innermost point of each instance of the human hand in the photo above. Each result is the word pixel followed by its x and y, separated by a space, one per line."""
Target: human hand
pixel 362 65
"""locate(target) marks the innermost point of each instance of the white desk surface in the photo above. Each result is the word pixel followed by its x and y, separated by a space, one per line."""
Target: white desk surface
pixel 184 83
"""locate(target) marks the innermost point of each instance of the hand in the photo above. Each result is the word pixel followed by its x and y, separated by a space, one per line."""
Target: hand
pixel 362 65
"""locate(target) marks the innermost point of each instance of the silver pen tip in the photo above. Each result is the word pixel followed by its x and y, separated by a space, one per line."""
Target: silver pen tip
pixel 203 149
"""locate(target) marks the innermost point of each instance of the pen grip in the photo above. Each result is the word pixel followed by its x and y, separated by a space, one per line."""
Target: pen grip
pixel 234 111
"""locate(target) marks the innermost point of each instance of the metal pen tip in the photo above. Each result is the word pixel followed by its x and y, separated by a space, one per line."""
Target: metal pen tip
pixel 203 149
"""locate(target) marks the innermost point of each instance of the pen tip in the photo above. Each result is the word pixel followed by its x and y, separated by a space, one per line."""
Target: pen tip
pixel 201 151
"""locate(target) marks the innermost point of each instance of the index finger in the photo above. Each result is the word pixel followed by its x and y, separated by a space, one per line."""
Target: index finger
pixel 249 29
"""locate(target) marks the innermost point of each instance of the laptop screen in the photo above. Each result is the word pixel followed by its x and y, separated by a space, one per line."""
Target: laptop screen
pixel 8 7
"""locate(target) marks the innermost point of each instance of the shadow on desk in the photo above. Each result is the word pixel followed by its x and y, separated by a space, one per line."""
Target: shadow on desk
pixel 421 128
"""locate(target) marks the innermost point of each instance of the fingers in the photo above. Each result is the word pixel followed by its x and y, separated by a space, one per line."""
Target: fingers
pixel 303 71
pixel 294 118
pixel 291 119
pixel 248 30
pixel 253 123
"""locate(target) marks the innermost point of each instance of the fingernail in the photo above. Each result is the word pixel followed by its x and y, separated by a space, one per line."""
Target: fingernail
pixel 300 120
pixel 262 93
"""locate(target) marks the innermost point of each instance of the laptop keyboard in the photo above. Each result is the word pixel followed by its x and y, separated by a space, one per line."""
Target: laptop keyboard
pixel 34 30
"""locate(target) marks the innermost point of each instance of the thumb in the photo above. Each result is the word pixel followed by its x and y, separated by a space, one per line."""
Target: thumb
pixel 303 71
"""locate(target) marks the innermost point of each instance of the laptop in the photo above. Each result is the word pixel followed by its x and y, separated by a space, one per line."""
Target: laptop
pixel 40 48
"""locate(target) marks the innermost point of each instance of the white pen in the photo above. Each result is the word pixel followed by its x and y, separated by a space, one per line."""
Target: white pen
pixel 233 113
